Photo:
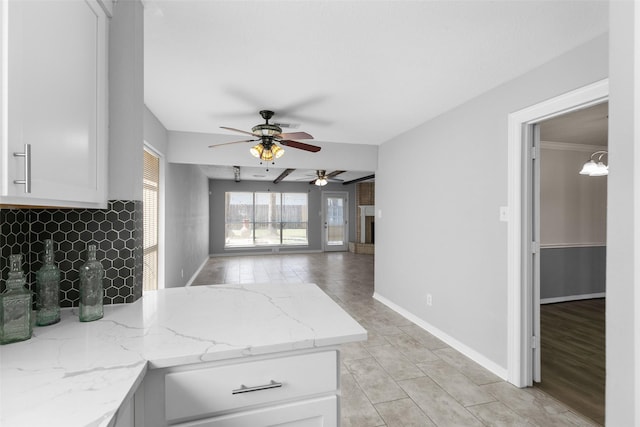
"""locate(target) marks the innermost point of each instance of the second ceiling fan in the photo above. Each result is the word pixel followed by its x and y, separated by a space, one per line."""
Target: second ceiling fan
pixel 269 136
pixel 322 177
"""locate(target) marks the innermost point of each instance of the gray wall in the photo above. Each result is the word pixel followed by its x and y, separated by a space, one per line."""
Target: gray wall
pixel 573 207
pixel 568 273
pixel 573 232
pixel 444 237
pixel 186 210
pixel 126 101
pixel 217 189
pixel 186 222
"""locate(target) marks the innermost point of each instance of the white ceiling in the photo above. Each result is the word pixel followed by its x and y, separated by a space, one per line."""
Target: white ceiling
pixel 589 126
pixel 354 72
pixel 270 174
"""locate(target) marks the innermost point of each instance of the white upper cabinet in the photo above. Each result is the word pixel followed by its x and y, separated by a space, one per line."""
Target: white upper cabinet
pixel 54 103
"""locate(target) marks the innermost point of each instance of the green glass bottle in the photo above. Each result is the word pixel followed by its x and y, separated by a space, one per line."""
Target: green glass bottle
pixel 15 306
pixel 91 289
pixel 48 289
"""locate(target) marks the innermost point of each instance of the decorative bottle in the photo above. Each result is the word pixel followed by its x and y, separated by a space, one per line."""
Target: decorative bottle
pixel 15 306
pixel 48 289
pixel 91 290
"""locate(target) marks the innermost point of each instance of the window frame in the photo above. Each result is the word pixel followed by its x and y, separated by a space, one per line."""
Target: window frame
pixel 256 222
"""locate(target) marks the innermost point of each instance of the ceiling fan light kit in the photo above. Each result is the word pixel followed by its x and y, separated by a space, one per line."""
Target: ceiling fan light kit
pixel 321 180
pixel 266 152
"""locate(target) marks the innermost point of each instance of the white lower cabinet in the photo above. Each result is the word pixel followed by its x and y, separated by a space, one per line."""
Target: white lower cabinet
pixel 320 412
pixel 293 390
pixel 126 415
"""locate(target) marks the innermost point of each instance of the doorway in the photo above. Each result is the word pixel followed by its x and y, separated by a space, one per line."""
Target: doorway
pixel 335 221
pixel 522 341
pixel 569 222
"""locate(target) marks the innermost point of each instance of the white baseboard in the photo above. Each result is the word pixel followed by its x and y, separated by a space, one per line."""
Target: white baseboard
pixel 572 298
pixel 240 252
pixel 193 277
pixel 449 340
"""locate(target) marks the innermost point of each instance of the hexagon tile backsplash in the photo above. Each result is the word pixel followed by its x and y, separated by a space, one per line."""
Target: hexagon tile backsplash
pixel 116 231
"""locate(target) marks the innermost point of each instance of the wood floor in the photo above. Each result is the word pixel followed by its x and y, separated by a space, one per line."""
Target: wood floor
pixel 573 355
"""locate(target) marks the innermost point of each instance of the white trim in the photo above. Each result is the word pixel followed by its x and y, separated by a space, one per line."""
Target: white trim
pixel 323 198
pixel 517 318
pixel 240 252
pixel 448 339
pixel 573 298
pixel 566 146
pixel 194 275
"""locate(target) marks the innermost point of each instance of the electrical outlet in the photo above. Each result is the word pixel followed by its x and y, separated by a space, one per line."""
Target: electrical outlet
pixel 429 300
pixel 182 273
pixel 504 214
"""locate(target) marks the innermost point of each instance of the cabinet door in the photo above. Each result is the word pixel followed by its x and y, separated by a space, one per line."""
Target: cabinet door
pixel 56 92
pixel 321 412
pixel 125 416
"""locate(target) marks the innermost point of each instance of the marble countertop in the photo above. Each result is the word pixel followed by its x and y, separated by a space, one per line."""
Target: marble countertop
pixel 78 374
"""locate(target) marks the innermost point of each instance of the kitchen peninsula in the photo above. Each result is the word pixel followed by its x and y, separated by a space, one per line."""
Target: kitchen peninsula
pixel 183 340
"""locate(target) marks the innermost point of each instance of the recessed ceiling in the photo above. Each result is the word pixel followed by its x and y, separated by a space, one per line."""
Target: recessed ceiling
pixel 353 72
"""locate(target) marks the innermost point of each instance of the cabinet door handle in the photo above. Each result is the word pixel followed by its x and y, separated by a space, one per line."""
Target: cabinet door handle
pixel 27 168
pixel 244 389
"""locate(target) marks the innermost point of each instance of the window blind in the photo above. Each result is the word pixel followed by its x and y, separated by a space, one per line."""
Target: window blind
pixel 150 199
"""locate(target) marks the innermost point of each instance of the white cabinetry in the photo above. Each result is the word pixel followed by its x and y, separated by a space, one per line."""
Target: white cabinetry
pixel 320 412
pixel 53 122
pixel 290 389
pixel 126 414
pixel 131 411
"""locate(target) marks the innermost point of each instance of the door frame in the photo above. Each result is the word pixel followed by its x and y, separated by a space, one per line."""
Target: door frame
pixel 520 304
pixel 323 197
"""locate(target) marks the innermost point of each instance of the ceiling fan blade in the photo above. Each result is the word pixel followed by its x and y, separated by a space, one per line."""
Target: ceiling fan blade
pixel 238 130
pixel 287 125
pixel 283 175
pixel 234 142
pixel 334 173
pixel 295 135
pixel 300 145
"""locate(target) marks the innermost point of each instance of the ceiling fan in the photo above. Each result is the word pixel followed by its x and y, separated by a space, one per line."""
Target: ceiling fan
pixel 322 177
pixel 268 134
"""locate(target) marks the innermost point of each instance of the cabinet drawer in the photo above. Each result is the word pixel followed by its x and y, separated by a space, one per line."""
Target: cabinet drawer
pixel 321 412
pixel 203 392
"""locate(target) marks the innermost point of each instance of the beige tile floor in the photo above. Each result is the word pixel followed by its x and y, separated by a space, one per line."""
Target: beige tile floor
pixel 402 375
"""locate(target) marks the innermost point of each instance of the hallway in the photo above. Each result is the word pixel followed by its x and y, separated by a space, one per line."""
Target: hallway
pixel 402 375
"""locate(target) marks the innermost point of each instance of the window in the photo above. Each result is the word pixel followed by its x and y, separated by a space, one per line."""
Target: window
pixel 266 219
pixel 150 207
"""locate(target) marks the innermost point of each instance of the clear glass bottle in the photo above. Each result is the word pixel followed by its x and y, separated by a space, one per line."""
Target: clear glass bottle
pixel 15 306
pixel 48 289
pixel 91 289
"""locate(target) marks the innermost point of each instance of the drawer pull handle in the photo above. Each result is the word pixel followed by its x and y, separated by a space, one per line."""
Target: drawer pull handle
pixel 245 389
pixel 27 168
